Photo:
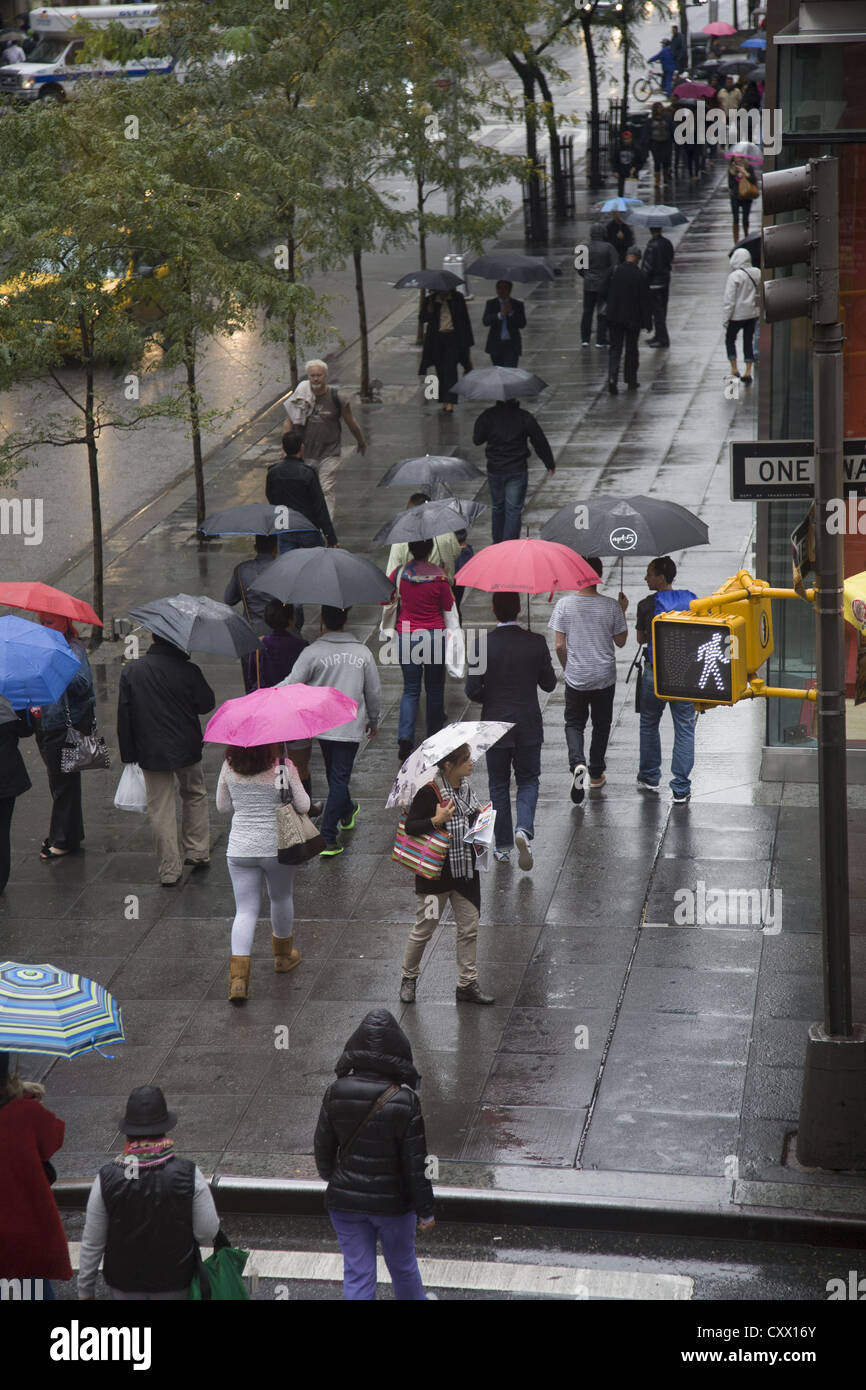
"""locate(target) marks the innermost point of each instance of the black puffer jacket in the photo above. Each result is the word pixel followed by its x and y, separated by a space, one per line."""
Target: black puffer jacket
pixel 383 1172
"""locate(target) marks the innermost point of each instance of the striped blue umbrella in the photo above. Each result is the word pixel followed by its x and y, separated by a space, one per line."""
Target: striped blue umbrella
pixel 45 1009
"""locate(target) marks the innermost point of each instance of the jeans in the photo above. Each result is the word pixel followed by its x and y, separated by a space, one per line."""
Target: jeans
pixel 623 334
pixel 659 296
pixel 508 494
pixel 747 326
pixel 591 299
pixel 358 1232
pixel 433 675
pixel 580 705
pixel 741 207
pixel 298 540
pixel 526 760
pixel 683 758
pixel 339 756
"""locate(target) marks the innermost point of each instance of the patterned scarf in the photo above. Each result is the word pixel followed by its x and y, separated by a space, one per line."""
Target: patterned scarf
pixel 461 857
pixel 149 1153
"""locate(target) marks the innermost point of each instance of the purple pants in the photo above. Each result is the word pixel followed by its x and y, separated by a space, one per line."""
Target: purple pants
pixel 358 1233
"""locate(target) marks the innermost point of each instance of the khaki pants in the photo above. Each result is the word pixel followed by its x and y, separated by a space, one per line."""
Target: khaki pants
pixel 466 919
pixel 195 822
pixel 327 470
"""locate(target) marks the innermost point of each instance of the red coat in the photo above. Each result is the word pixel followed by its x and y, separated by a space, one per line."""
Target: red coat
pixel 32 1239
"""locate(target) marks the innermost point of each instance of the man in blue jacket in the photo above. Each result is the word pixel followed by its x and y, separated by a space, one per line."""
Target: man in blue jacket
pixel 666 57
pixel 660 576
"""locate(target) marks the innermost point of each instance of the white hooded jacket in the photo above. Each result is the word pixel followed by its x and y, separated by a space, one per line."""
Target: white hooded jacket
pixel 741 288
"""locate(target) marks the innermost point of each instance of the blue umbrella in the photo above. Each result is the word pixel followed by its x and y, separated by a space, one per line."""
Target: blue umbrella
pixel 754 42
pixel 45 1009
pixel 36 663
pixel 620 204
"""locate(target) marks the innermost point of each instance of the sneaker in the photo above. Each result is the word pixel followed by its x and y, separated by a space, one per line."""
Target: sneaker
pixel 585 343
pixel 472 994
pixel 680 799
pixel 578 784
pixel 596 782
pixel 747 380
pixel 502 856
pixel 198 863
pixel 524 853
pixel 605 347
pixel 330 850
pixel 349 824
pixel 647 787
pixel 407 990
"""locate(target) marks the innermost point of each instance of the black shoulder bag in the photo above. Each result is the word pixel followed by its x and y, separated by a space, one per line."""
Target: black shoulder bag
pixel 377 1105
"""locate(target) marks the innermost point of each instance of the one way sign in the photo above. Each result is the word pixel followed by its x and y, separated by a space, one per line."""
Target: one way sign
pixel 773 470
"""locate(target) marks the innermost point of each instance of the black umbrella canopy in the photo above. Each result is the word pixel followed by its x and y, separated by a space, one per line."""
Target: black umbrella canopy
pixel 424 522
pixel 428 280
pixel 752 244
pixel 425 468
pixel 196 623
pixel 625 526
pixel 514 267
pixel 329 576
pixel 255 519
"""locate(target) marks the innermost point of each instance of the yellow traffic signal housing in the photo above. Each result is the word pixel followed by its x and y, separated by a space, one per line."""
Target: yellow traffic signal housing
pixel 711 654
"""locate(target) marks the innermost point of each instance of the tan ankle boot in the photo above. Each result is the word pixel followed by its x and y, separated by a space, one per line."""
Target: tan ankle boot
pixel 285 955
pixel 239 978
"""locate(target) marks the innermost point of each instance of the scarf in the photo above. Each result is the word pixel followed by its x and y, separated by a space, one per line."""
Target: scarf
pixel 461 857
pixel 150 1153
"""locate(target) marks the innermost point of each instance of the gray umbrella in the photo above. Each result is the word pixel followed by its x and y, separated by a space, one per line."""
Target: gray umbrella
pixel 196 623
pixel 255 519
pixel 499 384
pixel 429 520
pixel 625 526
pixel 7 714
pixel 428 280
pixel 655 215
pixel 513 267
pixel 329 576
pixel 427 468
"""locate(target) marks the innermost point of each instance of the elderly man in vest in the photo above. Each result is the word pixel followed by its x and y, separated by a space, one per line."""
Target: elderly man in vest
pixel 316 411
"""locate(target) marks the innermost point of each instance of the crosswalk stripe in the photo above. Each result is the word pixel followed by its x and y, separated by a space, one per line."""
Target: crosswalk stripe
pixel 557 1281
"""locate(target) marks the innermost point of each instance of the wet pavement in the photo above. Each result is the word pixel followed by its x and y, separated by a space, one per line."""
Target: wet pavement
pixel 626 1059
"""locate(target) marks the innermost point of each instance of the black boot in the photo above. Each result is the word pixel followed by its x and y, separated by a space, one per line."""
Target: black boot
pixel 404 748
pixel 471 994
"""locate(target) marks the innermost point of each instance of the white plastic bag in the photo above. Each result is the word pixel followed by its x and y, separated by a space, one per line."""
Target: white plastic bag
pixel 455 645
pixel 131 794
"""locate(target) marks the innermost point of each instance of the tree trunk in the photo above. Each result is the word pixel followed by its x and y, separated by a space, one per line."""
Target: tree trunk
pixel 560 200
pixel 292 323
pixel 595 179
pixel 534 222
pixel 422 248
pixel 684 27
pixel 734 18
pixel 364 391
pixel 93 472
pixel 194 424
pixel 626 49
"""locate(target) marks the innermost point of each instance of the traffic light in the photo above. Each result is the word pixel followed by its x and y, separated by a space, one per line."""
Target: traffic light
pixel 815 242
pixel 710 654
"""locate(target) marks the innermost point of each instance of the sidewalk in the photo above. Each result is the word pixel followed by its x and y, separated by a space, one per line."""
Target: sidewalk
pixel 687 1090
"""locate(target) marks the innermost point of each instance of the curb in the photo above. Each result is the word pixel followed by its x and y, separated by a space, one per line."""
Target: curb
pixel 305 1197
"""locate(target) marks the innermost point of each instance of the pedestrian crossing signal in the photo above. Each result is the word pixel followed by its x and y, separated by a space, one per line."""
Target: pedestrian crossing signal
pixel 713 657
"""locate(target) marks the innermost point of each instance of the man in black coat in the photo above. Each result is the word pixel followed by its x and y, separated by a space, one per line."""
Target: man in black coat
pixel 656 265
pixel 371 1150
pixel 508 431
pixel 629 309
pixel 160 698
pixel 293 483
pixel 504 317
pixel 620 235
pixel 518 665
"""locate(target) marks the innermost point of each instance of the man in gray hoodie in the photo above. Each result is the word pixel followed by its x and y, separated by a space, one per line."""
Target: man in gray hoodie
pixel 339 660
pixel 603 258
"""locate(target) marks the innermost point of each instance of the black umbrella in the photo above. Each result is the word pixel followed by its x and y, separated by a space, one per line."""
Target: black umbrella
pixel 625 526
pixel 513 266
pixel 197 624
pixel 499 384
pixel 752 244
pixel 428 280
pixel 424 522
pixel 428 468
pixel 332 576
pixel 255 519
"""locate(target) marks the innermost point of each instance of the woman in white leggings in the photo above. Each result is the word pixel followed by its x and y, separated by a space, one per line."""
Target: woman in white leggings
pixel 249 785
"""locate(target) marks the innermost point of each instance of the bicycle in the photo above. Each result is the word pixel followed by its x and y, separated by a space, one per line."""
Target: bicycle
pixel 643 88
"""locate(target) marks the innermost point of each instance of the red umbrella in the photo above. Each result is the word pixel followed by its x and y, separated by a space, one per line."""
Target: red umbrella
pixel 527 566
pixel 41 598
pixel 694 89
pixel 719 29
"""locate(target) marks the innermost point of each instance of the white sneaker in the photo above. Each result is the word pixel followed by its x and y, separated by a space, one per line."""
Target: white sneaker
pixel 502 856
pixel 524 853
pixel 647 787
pixel 578 784
pixel 679 800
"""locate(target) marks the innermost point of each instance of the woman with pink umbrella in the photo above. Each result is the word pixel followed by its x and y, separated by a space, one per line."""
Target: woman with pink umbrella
pixel 251 784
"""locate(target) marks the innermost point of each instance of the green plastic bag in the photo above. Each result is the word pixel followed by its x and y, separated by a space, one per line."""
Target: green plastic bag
pixel 220 1276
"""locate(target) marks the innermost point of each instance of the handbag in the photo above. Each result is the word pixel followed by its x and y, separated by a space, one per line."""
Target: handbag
pixel 297 838
pixel 388 620
pixel 83 752
pixel 220 1276
pixel 423 854
pixel 745 188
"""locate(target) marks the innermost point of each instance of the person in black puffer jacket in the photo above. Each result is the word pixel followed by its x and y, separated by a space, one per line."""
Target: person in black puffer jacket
pixel 371 1150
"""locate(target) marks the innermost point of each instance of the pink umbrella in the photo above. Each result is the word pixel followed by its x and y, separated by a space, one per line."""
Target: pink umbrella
pixel 694 89
pixel 528 566
pixel 719 29
pixel 279 713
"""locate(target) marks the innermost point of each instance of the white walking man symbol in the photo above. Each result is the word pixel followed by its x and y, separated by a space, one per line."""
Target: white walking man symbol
pixel 712 656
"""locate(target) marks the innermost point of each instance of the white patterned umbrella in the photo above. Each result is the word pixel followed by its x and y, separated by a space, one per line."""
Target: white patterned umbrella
pixel 480 734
